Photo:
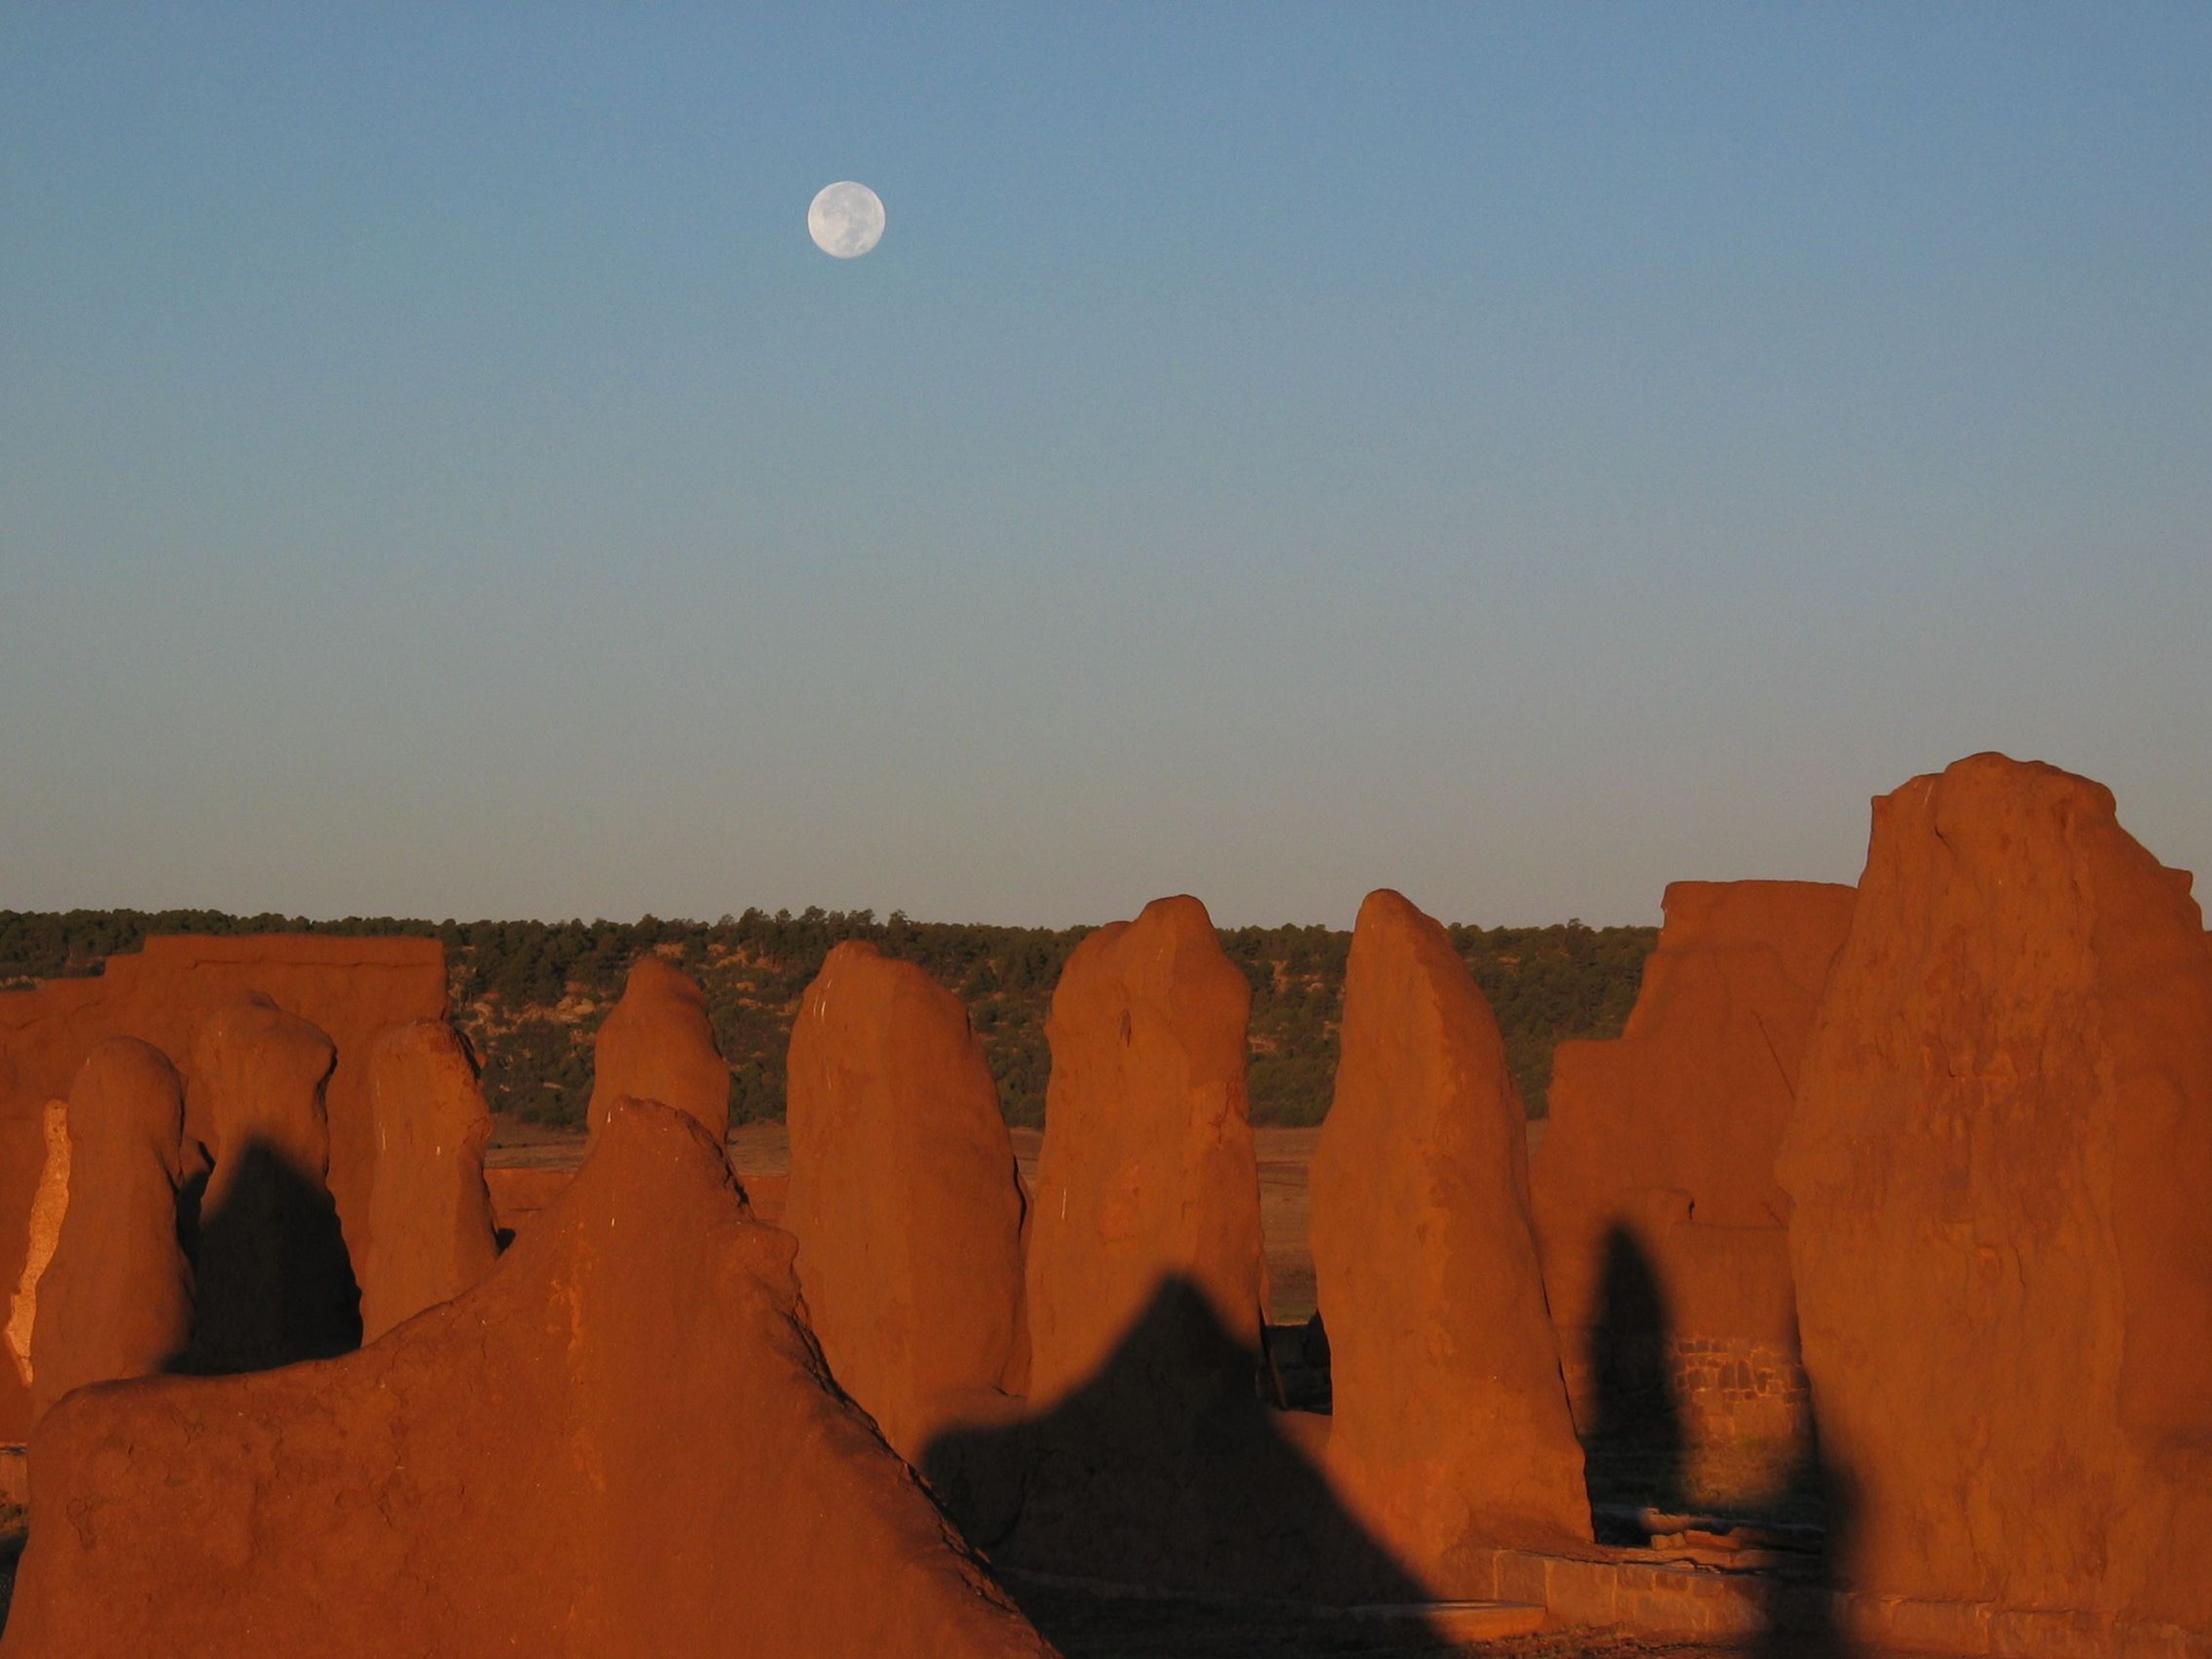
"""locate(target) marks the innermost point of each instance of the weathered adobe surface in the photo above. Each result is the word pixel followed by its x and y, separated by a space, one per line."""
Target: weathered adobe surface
pixel 1658 1217
pixel 905 1202
pixel 1450 1426
pixel 621 1442
pixel 351 988
pixel 1999 1163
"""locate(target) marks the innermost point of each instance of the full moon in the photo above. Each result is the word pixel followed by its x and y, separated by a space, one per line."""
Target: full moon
pixel 846 220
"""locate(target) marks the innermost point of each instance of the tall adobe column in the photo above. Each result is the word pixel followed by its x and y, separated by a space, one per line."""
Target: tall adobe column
pixel 1149 1458
pixel 116 1299
pixel 1148 1192
pixel 905 1200
pixel 430 1213
pixel 657 1044
pixel 1450 1427
pixel 2000 1161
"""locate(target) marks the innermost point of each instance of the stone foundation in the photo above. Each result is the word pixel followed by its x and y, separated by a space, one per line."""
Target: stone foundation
pixel 1732 1389
pixel 1644 1592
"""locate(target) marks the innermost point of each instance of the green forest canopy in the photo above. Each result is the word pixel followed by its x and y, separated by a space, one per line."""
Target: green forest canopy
pixel 529 995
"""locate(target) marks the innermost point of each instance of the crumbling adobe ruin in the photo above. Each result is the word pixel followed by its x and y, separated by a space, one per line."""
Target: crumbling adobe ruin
pixel 1450 1426
pixel 349 988
pixel 621 1442
pixel 1956 1124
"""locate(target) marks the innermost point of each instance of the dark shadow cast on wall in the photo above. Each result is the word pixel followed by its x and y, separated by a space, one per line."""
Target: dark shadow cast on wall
pixel 1636 1449
pixel 273 1282
pixel 1638 1459
pixel 1167 1470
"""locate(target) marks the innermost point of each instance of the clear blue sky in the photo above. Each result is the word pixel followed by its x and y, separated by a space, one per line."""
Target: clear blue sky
pixel 1520 455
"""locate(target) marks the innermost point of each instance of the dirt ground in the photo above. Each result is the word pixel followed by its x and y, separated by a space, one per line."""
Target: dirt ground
pixel 1089 1627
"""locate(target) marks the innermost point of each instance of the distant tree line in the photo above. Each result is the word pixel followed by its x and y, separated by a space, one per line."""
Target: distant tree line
pixel 529 995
